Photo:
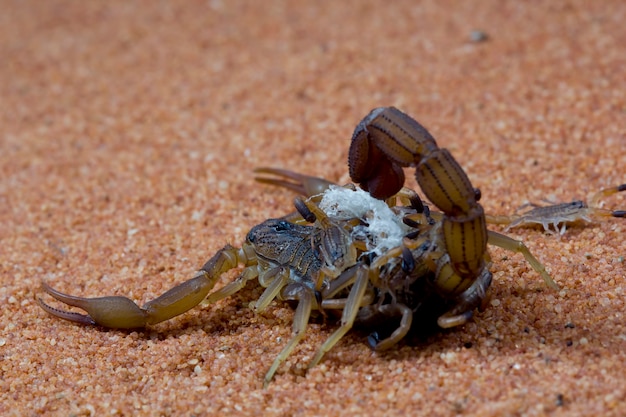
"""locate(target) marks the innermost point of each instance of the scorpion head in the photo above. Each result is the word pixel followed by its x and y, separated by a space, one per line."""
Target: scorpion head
pixel 270 227
pixel 275 238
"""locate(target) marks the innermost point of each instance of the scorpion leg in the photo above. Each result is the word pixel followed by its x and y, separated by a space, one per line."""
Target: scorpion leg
pixel 305 298
pixel 233 287
pixel 505 242
pixel 353 303
pixel 473 297
pixel 122 313
pixel 398 334
pixel 280 277
pixel 335 286
pixel 340 303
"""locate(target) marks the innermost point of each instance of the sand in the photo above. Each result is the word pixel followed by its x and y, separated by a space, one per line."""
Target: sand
pixel 129 131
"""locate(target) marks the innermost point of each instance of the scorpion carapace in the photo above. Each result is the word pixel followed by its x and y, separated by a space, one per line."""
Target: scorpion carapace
pixel 372 259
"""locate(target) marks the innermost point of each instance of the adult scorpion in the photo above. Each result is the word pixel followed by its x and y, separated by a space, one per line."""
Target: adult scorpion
pixel 327 256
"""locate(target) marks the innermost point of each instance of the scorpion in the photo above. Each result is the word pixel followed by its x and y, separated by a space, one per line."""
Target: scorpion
pixel 326 256
pixel 561 213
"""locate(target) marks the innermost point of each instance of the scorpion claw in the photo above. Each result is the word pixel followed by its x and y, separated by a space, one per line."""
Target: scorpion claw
pixel 66 315
pixel 605 193
pixel 113 312
pixel 302 184
pixel 619 213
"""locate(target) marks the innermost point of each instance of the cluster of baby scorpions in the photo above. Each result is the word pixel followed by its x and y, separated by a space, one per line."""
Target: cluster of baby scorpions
pixel 377 254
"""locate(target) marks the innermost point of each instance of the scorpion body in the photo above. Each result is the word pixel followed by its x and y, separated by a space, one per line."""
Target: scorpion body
pixel 332 260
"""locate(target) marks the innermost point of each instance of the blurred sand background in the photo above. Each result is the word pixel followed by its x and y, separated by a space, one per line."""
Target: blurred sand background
pixel 128 133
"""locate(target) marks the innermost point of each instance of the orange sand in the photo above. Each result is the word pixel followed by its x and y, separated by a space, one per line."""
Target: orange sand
pixel 129 131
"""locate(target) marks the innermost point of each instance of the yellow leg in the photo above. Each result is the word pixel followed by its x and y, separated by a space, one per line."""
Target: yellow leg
pixel 305 298
pixel 350 311
pixel 231 288
pixel 505 242
pixel 273 289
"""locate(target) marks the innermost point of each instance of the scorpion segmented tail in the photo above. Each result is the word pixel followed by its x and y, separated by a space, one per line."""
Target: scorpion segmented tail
pixel 387 140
